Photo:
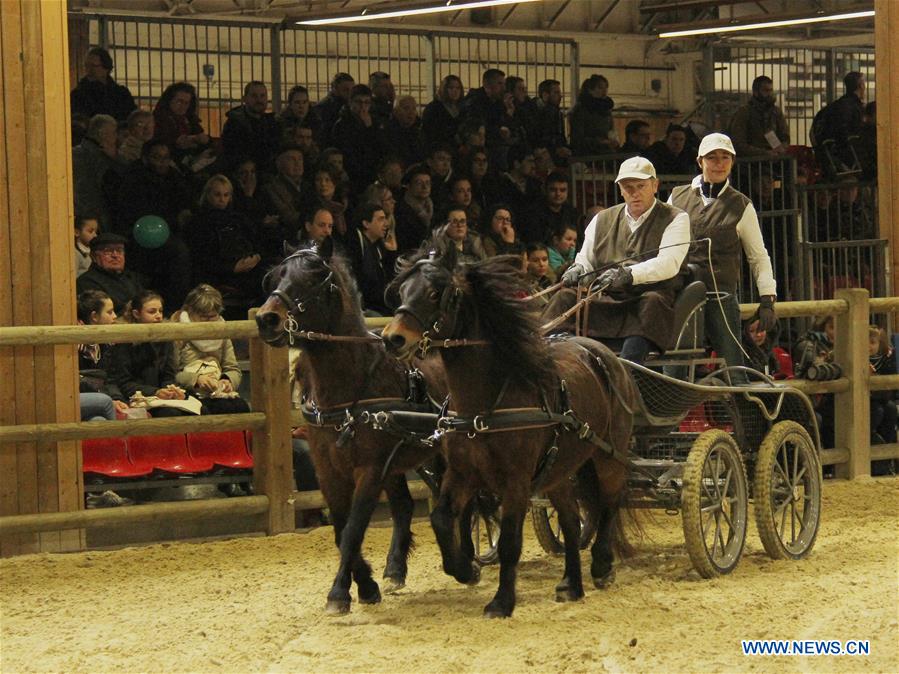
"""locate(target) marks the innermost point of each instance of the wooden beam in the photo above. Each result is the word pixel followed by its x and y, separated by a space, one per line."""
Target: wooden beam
pixel 40 335
pixel 886 54
pixel 852 422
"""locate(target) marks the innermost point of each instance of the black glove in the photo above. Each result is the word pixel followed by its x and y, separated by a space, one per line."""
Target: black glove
pixel 572 275
pixel 617 278
pixel 767 317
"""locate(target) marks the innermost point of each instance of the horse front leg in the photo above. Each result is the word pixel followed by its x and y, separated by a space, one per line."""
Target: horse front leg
pixel 401 508
pixel 352 564
pixel 571 587
pixel 443 520
pixel 510 541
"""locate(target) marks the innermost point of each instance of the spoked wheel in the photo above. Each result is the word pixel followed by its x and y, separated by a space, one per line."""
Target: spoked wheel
pixel 485 528
pixel 787 491
pixel 714 504
pixel 549 531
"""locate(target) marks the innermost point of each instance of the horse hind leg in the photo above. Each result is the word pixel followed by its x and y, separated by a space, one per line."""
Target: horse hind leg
pixel 608 529
pixel 571 587
pixel 401 508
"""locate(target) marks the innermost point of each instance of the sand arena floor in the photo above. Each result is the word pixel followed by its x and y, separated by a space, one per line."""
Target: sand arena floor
pixel 255 605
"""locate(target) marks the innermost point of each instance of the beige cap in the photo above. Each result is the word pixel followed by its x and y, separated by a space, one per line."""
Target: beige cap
pixel 716 141
pixel 639 168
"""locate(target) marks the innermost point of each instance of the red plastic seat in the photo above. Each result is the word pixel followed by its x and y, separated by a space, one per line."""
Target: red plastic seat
pixel 166 452
pixel 784 362
pixel 228 449
pixel 109 456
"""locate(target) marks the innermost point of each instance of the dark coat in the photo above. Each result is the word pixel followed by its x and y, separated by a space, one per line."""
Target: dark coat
pixel 218 238
pixel 248 136
pixel 492 113
pixel 120 287
pixel 373 269
pixel 90 166
pixel 438 126
pixel 145 367
pixel 145 192
pixel 548 126
pixel 328 110
pixel 410 230
pixel 524 207
pixel 666 163
pixel 404 142
pixel 362 147
pixel 547 222
pixel 94 98
pixel 591 121
pixel 289 203
pixel 95 376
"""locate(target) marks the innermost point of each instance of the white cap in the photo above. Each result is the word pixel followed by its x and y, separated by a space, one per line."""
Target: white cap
pixel 639 168
pixel 716 141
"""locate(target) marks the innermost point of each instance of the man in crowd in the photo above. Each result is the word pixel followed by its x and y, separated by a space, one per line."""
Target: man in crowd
pixel 555 214
pixel 402 131
pixel 372 262
pixel 759 128
pixel 92 159
pixel 97 93
pixel 328 109
pixel 286 193
pixel 549 123
pixel 107 272
pixel 670 155
pixel 250 131
pixel 382 97
pixel 359 138
pixel 638 137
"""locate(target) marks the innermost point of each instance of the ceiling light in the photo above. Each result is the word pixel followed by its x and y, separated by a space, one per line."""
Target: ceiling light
pixel 366 15
pixel 768 24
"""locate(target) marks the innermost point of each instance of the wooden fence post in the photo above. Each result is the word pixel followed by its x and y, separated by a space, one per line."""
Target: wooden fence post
pixel 272 453
pixel 852 423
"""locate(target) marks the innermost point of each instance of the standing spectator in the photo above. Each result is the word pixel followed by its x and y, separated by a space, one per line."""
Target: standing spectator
pixel 525 109
pixel 85 231
pixel 592 131
pixel 555 213
pixel 382 96
pixel 549 124
pixel 287 195
pixel 250 131
pixel 440 119
pixel 521 190
pixel 845 117
pixel 372 262
pixel 107 272
pixel 752 123
pixel 91 160
pixel 177 122
pixel 97 93
pixel 402 132
pixel 494 107
pixel 299 113
pixel 638 137
pixel 415 211
pixel 357 135
pixel 501 237
pixel 328 109
pixel 670 156
pixel 139 129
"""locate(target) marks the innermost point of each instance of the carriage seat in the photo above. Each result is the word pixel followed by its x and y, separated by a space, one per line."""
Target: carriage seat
pixel 689 333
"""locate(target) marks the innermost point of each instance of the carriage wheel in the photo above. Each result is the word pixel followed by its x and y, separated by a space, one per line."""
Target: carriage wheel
pixel 787 491
pixel 549 531
pixel 485 528
pixel 714 504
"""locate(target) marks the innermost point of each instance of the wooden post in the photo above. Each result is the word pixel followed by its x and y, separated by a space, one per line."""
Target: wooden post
pixel 853 407
pixel 272 449
pixel 886 54
pixel 37 276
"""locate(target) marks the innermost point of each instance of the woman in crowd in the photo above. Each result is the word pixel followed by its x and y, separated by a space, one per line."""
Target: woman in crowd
pixel 592 131
pixel 299 112
pixel 326 196
pixel 99 397
pixel 177 122
pixel 501 237
pixel 440 118
pixel 883 403
pixel 484 190
pixel 456 232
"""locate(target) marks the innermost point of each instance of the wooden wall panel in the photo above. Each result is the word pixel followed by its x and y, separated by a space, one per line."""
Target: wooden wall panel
pixel 886 54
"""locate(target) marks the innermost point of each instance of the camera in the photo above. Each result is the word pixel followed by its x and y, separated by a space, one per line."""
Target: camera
pixel 824 372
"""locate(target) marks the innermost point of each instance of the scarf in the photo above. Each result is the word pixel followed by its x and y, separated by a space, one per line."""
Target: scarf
pixel 203 345
pixel 423 208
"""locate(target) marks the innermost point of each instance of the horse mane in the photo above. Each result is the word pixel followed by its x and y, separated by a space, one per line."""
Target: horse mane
pixel 495 291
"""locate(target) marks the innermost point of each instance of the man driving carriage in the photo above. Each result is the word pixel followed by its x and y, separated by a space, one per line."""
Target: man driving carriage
pixel 635 251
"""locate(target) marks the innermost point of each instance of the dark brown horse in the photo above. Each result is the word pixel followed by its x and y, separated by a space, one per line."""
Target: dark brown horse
pixel 346 372
pixel 507 398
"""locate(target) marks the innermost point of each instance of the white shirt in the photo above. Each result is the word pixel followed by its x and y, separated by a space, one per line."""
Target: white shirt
pixel 750 233
pixel 663 266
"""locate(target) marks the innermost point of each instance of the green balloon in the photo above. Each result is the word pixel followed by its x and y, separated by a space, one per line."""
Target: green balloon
pixel 151 231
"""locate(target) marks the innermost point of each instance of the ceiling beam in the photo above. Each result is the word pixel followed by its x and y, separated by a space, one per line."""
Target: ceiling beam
pixel 758 18
pixel 675 5
pixel 605 15
pixel 558 13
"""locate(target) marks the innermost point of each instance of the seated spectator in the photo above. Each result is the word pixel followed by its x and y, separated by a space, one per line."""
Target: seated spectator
pixel 501 237
pixel 440 164
pixel 249 200
pixel 223 246
pixel 670 156
pixel 484 187
pixel 455 231
pixel 549 124
pixel 471 135
pixel 540 274
pixel 555 212
pixel 318 226
pixel 147 368
pixel 92 159
pixel 107 272
pixel 544 166
pixel 759 351
pixel 304 139
pixel 208 368
pixel 97 93
pixel 139 129
pixel 562 248
pixel 359 138
pixel 382 97
pixel 460 196
pixel 85 231
pixel 637 137
pixel 325 196
pixel 177 122
pixel 382 195
pixel 415 211
pixel 521 190
pixel 250 131
pixel 332 159
pixel 525 113
pixel 299 113
pixel 883 403
pixel 286 194
pixel 440 119
pixel 373 264
pixel 402 131
pixel 97 407
pixel 390 174
pixel 592 130
pixel 328 109
pixel 94 363
pixel 752 123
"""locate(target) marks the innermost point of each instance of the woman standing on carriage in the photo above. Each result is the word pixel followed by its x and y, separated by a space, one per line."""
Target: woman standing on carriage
pixel 726 217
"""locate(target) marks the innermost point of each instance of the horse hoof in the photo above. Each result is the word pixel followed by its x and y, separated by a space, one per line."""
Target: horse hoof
pixel 370 595
pixel 565 594
pixel 603 582
pixel 475 576
pixel 337 607
pixel 494 610
pixel 392 585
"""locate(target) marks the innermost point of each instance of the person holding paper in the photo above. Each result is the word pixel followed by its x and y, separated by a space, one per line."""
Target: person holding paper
pixel 759 128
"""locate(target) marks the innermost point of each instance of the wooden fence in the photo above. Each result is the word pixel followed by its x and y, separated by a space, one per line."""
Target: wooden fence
pixel 275 498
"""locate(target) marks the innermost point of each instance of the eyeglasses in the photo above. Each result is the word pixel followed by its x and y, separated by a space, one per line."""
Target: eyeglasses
pixel 459 221
pixel 110 251
pixel 502 218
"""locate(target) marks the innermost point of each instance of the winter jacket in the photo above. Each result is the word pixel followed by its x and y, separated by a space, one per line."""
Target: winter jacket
pixel 108 98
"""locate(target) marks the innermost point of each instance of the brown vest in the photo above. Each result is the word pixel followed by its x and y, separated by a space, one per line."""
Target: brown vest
pixel 718 222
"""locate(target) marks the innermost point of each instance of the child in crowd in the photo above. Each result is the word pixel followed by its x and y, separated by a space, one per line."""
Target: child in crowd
pixel 539 274
pixel 94 360
pixel 85 231
pixel 883 403
pixel 563 249
pixel 208 367
pixel 762 356
pixel 148 367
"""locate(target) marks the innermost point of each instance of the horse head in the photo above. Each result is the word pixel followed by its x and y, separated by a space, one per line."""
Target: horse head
pixel 300 291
